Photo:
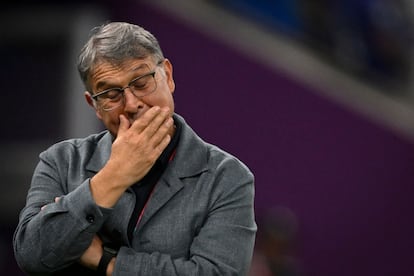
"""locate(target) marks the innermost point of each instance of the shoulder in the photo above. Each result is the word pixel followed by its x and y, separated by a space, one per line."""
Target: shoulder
pixel 228 163
pixel 199 155
pixel 77 146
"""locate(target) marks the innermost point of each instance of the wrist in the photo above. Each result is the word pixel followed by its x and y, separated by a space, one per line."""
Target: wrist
pixel 111 265
pixel 107 261
pixel 104 192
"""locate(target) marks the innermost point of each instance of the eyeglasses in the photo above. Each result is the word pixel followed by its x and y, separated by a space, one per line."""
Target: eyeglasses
pixel 112 98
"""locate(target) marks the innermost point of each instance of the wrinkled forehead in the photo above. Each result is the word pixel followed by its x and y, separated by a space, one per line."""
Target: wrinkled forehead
pixel 126 63
pixel 109 68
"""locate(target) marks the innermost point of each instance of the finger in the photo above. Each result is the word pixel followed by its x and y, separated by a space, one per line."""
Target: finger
pixel 158 148
pixel 163 144
pixel 56 200
pixel 123 124
pixel 146 118
pixel 162 131
pixel 155 125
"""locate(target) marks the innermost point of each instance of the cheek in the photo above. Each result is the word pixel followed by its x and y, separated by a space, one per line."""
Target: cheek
pixel 171 103
pixel 99 113
pixel 165 99
pixel 110 120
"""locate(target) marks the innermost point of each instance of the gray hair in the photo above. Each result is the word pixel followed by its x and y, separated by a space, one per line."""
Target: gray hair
pixel 115 43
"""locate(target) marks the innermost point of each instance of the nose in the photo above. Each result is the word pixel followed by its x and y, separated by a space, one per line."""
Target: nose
pixel 132 103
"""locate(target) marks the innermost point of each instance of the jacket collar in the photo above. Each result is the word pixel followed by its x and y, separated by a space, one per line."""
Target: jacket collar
pixel 191 153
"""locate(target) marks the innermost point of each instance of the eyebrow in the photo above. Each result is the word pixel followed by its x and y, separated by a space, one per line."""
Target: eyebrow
pixel 104 82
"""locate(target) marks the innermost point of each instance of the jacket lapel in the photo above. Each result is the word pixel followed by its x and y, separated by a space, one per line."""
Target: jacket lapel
pixel 101 154
pixel 190 159
pixel 163 192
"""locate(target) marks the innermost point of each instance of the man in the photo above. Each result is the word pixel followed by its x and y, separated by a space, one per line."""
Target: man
pixel 145 197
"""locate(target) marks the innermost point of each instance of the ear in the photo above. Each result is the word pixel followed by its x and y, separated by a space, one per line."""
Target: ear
pixel 169 73
pixel 92 104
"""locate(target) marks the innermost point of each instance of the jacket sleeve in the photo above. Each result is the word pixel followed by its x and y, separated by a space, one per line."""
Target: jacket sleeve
pixel 54 237
pixel 224 243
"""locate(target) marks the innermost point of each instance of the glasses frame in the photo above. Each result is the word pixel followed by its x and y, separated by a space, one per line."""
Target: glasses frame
pixel 122 90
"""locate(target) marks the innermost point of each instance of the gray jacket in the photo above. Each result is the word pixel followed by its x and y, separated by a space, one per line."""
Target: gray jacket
pixel 198 221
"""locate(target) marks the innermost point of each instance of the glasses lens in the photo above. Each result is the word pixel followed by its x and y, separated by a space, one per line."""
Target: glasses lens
pixel 144 85
pixel 111 99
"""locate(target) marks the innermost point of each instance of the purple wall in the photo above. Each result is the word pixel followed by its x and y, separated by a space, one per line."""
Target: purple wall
pixel 348 180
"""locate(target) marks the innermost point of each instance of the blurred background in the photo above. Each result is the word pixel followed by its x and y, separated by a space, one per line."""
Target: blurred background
pixel 316 97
